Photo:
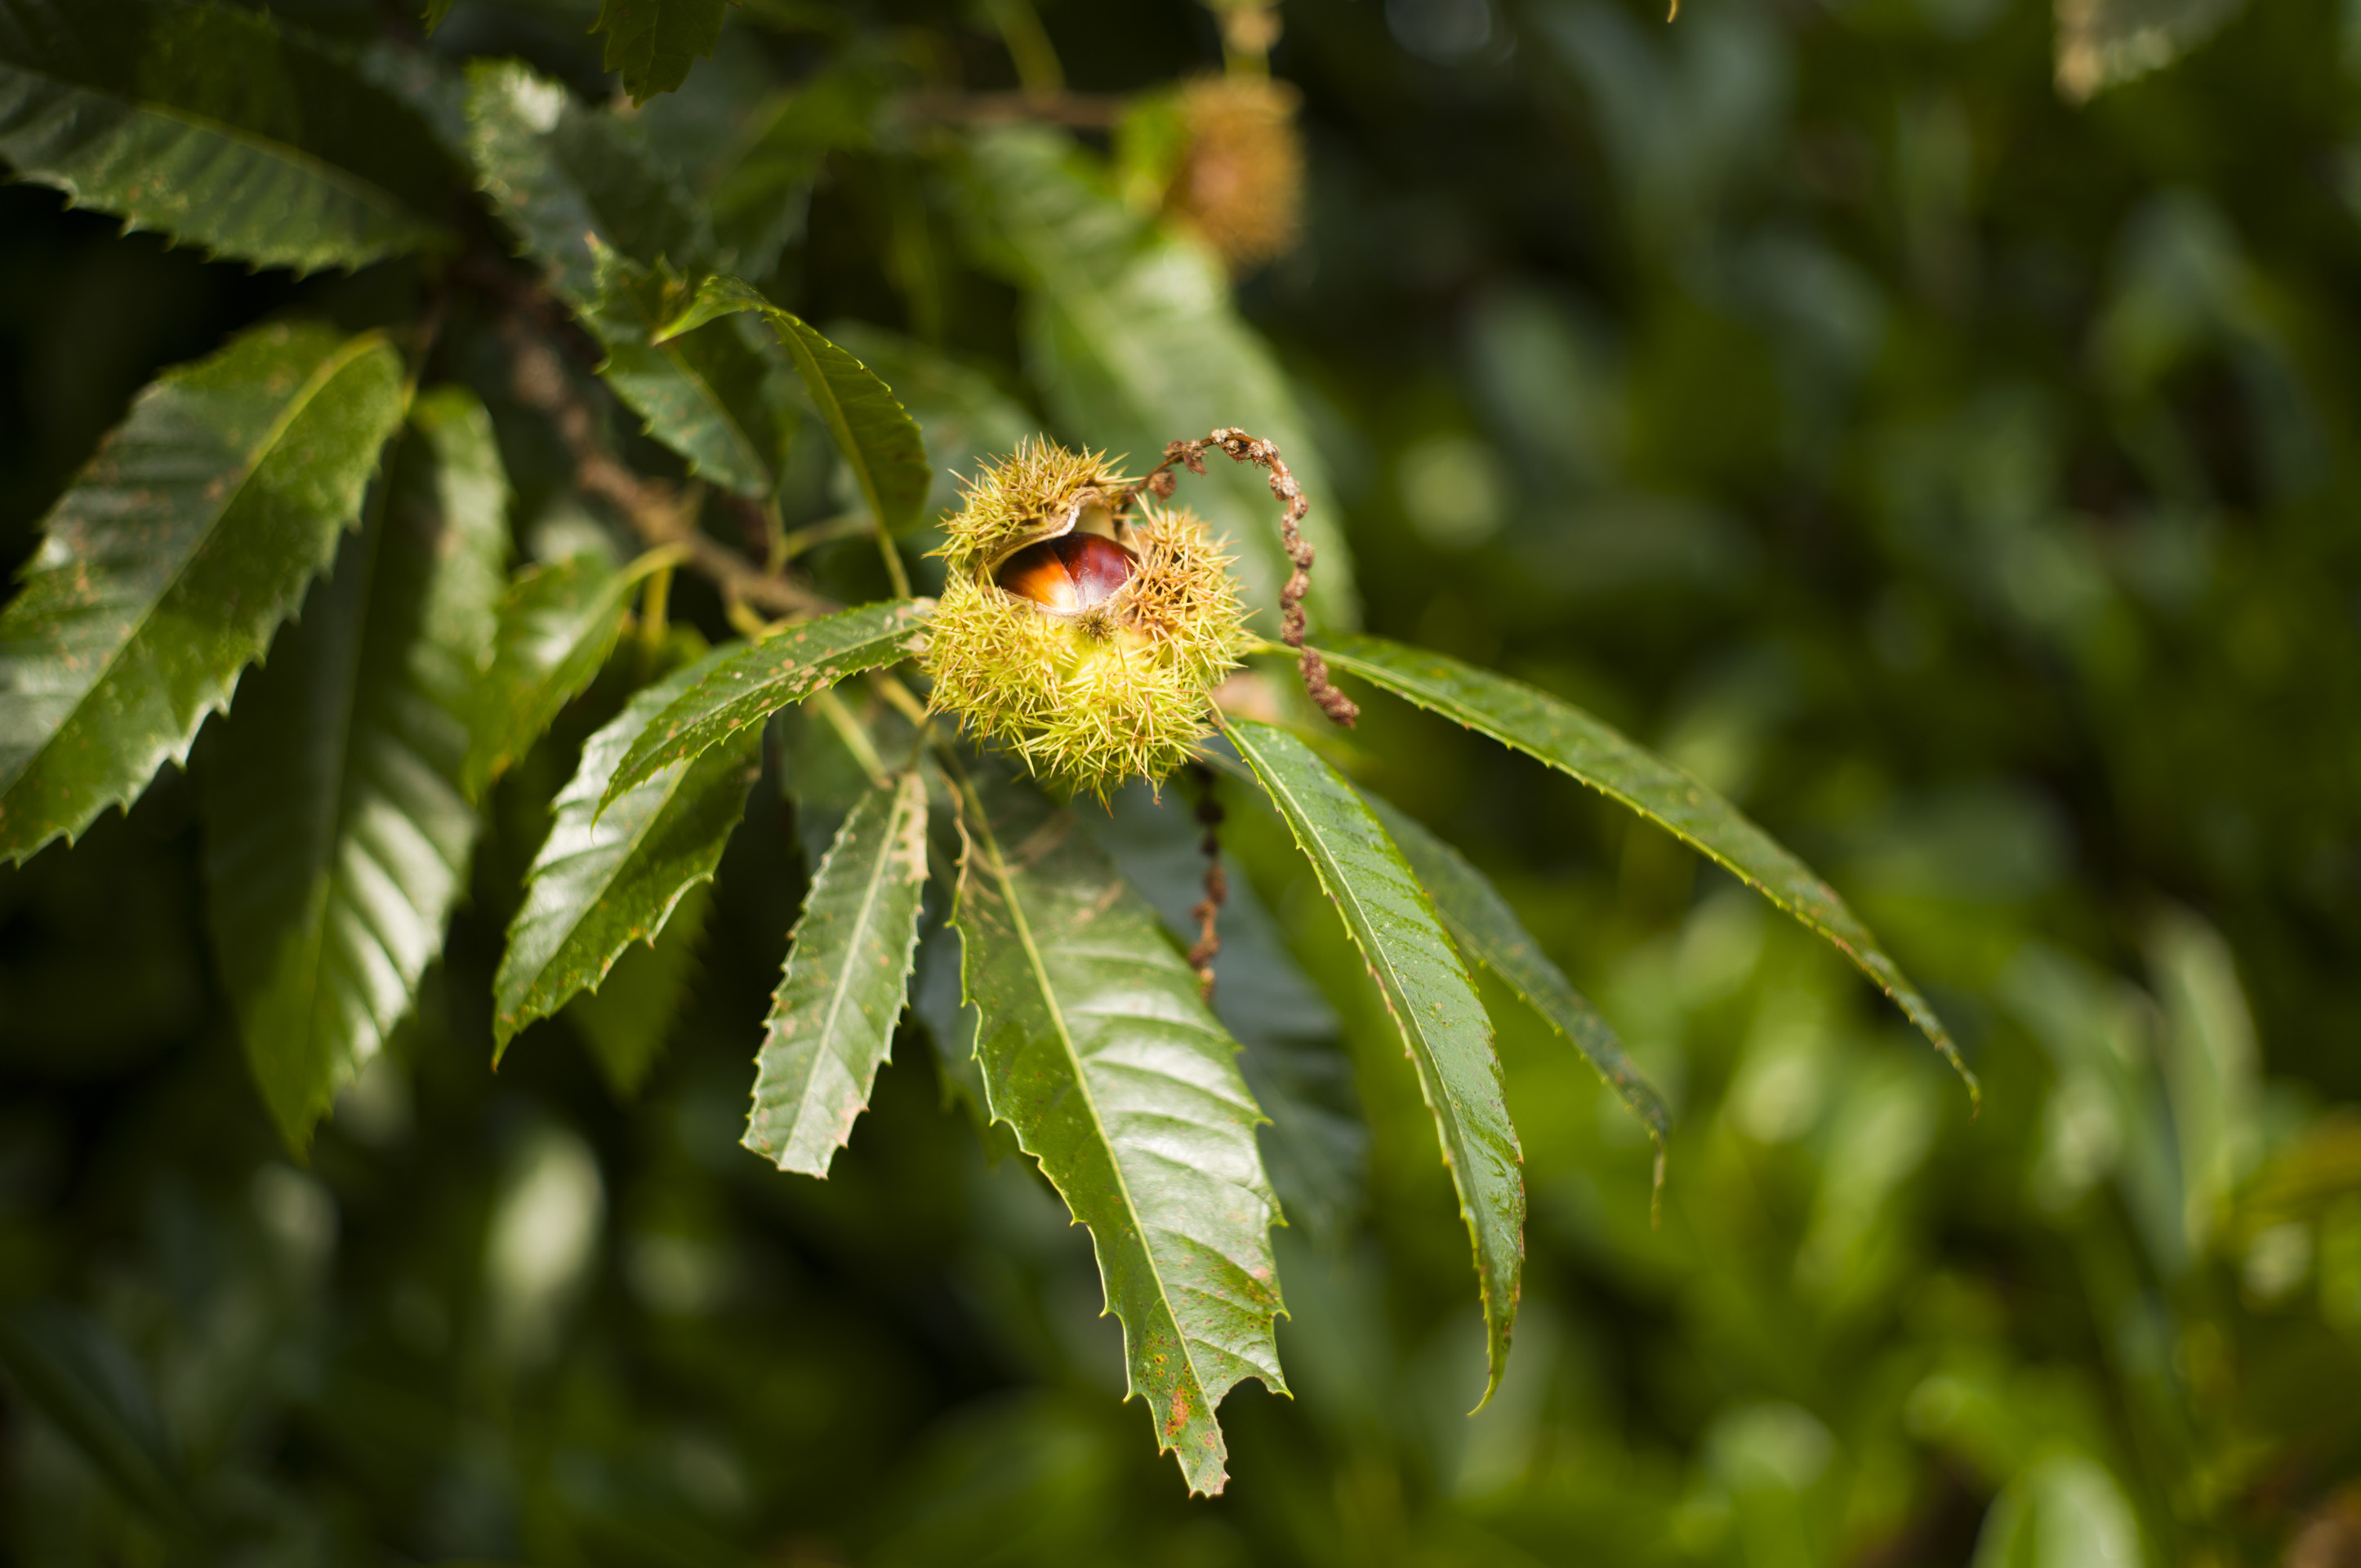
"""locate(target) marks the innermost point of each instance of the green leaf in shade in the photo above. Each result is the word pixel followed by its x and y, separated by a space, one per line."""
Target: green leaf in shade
pixel 604 879
pixel 208 125
pixel 1426 991
pixel 654 43
pixel 166 566
pixel 878 438
pixel 568 180
pixel 558 621
pixel 628 1019
pixel 1571 741
pixel 746 683
pixel 712 395
pixel 82 1379
pixel 1489 931
pixel 435 11
pixel 1098 1051
pixel 337 836
pixel 832 1018
pixel 612 227
pixel 1133 336
pixel 761 195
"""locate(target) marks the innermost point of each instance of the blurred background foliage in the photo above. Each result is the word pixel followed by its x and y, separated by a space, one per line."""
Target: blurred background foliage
pixel 1958 475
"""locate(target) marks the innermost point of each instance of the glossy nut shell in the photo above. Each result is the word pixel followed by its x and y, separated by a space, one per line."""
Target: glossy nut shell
pixel 1068 574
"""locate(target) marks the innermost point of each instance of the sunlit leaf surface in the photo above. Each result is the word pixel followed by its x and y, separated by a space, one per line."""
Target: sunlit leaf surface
pixel 746 683
pixel 607 878
pixel 175 554
pixel 832 1018
pixel 1098 1051
pixel 337 836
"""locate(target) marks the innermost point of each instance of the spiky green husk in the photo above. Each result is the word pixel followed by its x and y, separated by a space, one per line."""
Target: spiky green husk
pixel 1040 491
pixel 1088 700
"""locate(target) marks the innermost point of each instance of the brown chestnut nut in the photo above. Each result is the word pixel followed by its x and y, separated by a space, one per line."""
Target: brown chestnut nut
pixel 1067 574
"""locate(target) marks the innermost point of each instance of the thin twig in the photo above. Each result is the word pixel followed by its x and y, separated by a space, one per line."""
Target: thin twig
pixel 846 525
pixel 657 511
pixel 831 706
pixel 896 575
pixel 1243 448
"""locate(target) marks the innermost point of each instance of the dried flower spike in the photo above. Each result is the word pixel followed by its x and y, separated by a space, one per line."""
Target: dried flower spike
pixel 1081 635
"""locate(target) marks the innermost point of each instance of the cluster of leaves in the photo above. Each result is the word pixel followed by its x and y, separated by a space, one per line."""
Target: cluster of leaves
pixel 327 500
pixel 348 497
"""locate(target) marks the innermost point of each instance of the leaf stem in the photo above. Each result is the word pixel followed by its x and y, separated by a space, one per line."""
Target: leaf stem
pixel 852 731
pixel 655 601
pixel 896 572
pixel 849 525
pixel 774 536
pixel 660 513
pixel 902 699
pixel 745 620
pixel 1029 49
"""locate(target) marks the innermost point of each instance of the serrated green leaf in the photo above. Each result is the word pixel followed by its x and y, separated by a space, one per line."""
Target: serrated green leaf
pixel 1426 993
pixel 963 418
pixel 208 125
pixel 166 566
pixel 1314 1144
pixel 1132 334
pixel 1571 741
pixel 611 224
pixel 746 683
pixel 1489 931
pixel 653 43
pixel 628 1019
pixel 1098 1051
pixel 604 879
pixel 337 837
pixel 711 395
pixel 557 622
pixel 832 1018
pixel 568 180
pixel 879 440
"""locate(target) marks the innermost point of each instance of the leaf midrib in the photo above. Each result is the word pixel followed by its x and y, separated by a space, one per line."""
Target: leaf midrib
pixel 1439 700
pixel 747 451
pixel 316 933
pixel 328 370
pixel 1082 1081
pixel 629 847
pixel 871 896
pixel 899 624
pixel 1836 922
pixel 1387 988
pixel 1829 916
pixel 816 380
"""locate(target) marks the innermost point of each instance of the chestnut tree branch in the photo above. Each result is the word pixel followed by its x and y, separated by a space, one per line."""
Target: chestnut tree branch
pixel 532 323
